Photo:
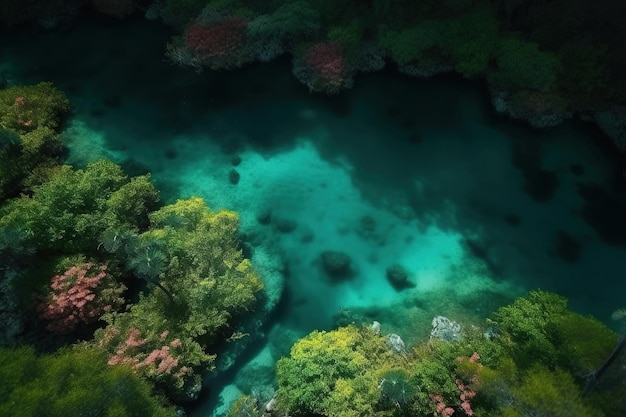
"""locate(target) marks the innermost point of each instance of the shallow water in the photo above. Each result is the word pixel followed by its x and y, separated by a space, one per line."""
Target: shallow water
pixel 476 208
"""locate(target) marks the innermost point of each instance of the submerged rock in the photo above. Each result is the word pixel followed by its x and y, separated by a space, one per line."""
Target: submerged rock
pixel 235 160
pixel 398 277
pixel 234 176
pixel 286 225
pixel 367 224
pixel 264 217
pixel 336 263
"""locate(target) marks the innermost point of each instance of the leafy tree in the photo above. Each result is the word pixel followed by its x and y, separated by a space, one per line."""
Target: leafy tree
pixel 411 45
pixel 470 41
pixel 291 21
pixel 29 120
pixel 245 406
pixel 543 392
pixel 538 328
pixel 72 382
pixel 192 254
pixel 25 108
pixel 523 65
pixel 80 295
pixel 333 373
pixel 70 212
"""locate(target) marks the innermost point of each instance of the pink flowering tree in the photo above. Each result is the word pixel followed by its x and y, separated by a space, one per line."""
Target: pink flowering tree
pixel 216 45
pixel 467 369
pixel 451 386
pixel 163 358
pixel 323 67
pixel 80 295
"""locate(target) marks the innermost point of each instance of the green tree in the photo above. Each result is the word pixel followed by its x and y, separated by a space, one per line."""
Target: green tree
pixel 25 108
pixel 523 65
pixel 72 382
pixel 193 255
pixel 69 213
pixel 334 373
pixel 538 328
pixel 543 392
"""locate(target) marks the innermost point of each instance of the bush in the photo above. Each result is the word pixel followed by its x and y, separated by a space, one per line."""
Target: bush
pixel 72 383
pixel 80 295
pixel 68 213
pixel 522 65
pixel 538 328
pixel 25 108
pixel 333 373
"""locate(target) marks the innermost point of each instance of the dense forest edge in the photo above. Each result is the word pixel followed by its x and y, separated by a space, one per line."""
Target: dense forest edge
pixel 543 62
pixel 114 303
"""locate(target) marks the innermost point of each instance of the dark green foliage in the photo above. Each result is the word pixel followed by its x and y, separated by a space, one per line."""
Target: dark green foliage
pixel 9 140
pixel 117 240
pixel 470 41
pixel 539 328
pixel 26 108
pixel 523 65
pixel 245 406
pixel 290 22
pixel 71 383
pixel 147 259
pixel 546 393
pixel 29 119
pixel 396 389
pixel 411 45
pixel 131 203
pixel 179 12
pixel 69 213
pixel 16 245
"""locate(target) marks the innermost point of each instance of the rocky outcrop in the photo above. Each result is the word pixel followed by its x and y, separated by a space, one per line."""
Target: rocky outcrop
pixel 536 109
pixel 396 343
pixel 445 329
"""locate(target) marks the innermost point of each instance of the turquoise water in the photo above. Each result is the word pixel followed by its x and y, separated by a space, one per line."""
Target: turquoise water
pixel 396 171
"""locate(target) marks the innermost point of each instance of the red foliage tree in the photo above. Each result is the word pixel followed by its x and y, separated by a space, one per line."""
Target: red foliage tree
pixel 80 295
pixel 324 67
pixel 220 45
